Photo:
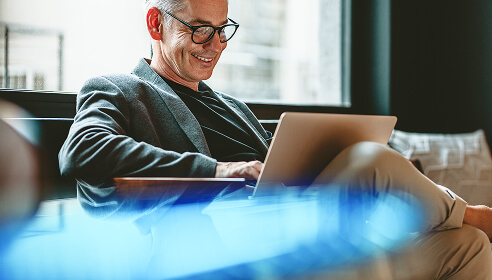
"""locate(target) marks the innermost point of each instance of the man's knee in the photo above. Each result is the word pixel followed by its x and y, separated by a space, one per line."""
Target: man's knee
pixel 372 153
pixel 359 162
pixel 370 157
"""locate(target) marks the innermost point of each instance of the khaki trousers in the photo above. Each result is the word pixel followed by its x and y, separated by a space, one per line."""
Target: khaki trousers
pixel 446 249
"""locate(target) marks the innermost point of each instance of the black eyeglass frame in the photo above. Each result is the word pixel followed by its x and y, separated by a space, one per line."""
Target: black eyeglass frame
pixel 216 29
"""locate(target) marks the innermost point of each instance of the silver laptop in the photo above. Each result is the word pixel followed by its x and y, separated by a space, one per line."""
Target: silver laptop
pixel 305 143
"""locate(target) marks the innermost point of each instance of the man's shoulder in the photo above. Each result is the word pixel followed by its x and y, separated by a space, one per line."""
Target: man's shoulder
pixel 140 76
pixel 117 82
pixel 120 79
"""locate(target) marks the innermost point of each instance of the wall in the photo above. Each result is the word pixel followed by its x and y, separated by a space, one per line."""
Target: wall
pixel 441 65
pixel 427 62
pixel 370 56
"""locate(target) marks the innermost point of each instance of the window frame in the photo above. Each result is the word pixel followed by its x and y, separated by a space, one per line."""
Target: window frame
pixel 262 110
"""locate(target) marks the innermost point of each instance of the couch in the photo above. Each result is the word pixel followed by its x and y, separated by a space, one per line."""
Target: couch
pixel 461 162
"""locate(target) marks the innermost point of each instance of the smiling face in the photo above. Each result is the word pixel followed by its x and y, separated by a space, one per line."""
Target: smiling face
pixel 177 57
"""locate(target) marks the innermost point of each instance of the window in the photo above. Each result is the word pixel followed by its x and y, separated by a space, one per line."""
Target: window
pixel 285 51
pixel 99 37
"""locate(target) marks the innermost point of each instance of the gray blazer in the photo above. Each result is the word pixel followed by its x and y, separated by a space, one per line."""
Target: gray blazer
pixel 136 125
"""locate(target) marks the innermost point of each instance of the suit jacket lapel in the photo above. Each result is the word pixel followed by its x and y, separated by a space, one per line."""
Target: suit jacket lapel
pixel 239 115
pixel 181 113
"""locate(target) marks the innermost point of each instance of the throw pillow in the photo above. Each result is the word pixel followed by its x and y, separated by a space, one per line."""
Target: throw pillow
pixel 461 162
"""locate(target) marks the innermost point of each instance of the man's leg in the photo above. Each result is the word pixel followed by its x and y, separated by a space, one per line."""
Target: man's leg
pixel 377 169
pixel 450 249
pixel 456 254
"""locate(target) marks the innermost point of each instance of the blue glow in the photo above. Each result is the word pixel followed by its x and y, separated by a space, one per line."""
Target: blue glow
pixel 260 238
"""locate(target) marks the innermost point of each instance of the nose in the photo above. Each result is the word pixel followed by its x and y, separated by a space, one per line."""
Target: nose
pixel 215 44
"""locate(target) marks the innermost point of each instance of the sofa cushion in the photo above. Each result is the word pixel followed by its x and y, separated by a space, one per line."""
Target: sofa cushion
pixel 461 162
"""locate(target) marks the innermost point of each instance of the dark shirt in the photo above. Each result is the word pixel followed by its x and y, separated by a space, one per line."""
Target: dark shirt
pixel 226 137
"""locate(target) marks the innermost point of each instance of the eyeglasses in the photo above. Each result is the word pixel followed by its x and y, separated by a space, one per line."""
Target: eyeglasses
pixel 203 33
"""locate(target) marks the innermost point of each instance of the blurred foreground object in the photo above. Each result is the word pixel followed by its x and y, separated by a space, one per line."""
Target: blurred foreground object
pixel 20 171
pixel 293 235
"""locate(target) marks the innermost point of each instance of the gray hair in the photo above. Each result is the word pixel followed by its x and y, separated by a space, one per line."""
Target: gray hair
pixel 171 6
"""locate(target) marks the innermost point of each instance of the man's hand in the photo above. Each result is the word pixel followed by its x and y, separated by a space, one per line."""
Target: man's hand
pixel 249 170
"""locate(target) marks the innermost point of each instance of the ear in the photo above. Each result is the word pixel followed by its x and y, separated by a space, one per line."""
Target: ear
pixel 154 24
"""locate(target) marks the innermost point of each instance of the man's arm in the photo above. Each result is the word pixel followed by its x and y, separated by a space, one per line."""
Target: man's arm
pixel 99 146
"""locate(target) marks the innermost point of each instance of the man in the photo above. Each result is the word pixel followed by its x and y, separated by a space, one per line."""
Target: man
pixel 162 120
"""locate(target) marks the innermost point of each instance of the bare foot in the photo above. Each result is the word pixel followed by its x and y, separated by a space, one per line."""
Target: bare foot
pixel 479 216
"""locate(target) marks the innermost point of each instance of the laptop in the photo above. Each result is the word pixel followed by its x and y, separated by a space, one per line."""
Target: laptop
pixel 305 143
